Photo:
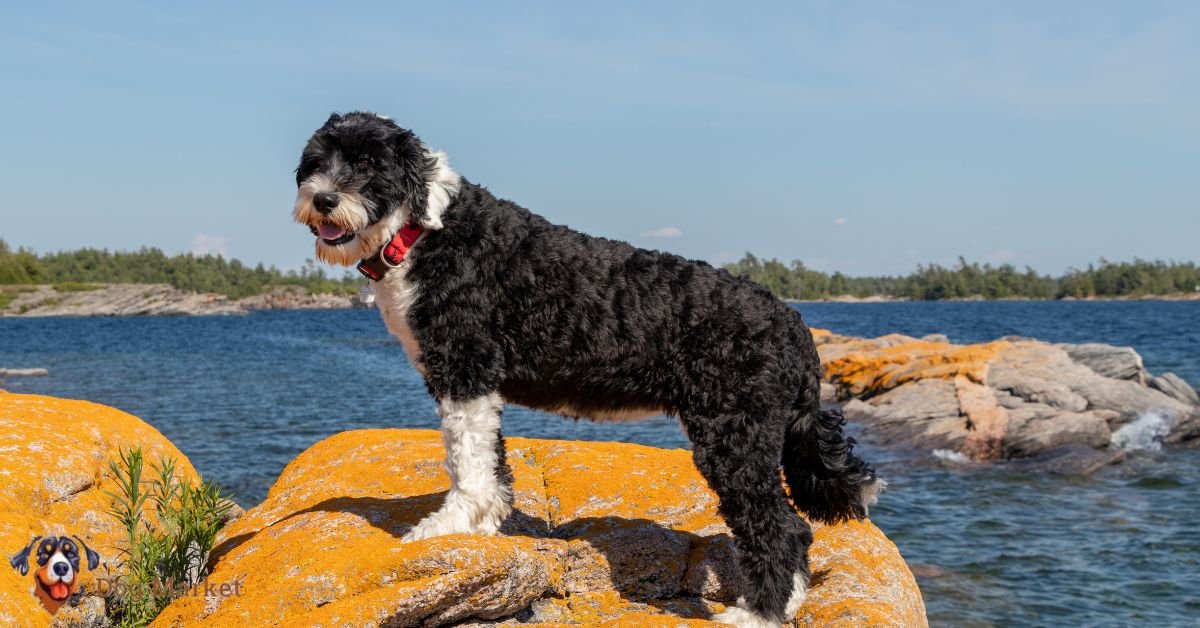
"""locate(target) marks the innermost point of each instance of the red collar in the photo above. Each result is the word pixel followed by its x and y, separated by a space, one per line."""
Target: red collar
pixel 375 267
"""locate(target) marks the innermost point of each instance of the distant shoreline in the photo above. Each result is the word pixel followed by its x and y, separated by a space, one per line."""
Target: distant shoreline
pixel 124 299
pixel 131 299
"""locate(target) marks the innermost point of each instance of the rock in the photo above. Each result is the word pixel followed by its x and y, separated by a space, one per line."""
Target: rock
pixel 89 612
pixel 1109 361
pixel 56 478
pixel 923 414
pixel 602 534
pixel 1035 390
pixel 162 299
pixel 1186 431
pixel 23 373
pixel 1010 398
pixel 1034 431
pixel 120 300
pixel 297 298
pixel 1173 386
pixel 942 338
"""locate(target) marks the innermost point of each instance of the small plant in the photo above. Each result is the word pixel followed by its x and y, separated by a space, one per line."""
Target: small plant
pixel 170 525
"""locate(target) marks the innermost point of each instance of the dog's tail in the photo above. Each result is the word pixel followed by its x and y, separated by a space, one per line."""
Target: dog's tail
pixel 825 479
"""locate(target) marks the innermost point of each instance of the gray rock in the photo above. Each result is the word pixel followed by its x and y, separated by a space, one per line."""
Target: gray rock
pixel 1175 387
pixel 936 338
pixel 1037 429
pixel 1109 361
pixel 5 373
pixel 1028 399
pixel 1186 431
pixel 1035 390
pixel 923 414
pixel 1130 399
pixel 89 612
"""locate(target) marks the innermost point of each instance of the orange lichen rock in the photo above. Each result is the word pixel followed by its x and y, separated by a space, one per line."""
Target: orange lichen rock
pixel 863 367
pixel 603 534
pixel 54 469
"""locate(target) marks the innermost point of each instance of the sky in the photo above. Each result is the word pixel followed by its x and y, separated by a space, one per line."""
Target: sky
pixel 864 137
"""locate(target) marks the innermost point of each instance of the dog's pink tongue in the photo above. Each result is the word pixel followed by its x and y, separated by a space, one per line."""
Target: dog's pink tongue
pixel 59 591
pixel 330 231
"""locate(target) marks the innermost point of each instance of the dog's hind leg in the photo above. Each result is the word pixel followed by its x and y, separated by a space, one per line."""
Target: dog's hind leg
pixel 739 456
pixel 480 496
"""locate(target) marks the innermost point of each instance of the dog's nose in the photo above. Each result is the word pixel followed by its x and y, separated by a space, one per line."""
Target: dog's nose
pixel 61 569
pixel 325 201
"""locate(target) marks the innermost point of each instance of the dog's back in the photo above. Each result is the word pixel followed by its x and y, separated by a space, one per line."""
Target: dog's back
pixel 599 326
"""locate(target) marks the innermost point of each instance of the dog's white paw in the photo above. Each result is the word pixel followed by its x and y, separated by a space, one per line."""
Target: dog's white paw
pixel 743 617
pixel 799 592
pixel 452 521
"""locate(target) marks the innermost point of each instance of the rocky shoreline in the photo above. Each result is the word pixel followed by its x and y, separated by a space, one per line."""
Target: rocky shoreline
pixel 127 299
pixel 1082 405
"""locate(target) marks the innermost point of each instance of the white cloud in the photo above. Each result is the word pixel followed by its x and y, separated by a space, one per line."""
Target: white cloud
pixel 839 221
pixel 204 244
pixel 664 232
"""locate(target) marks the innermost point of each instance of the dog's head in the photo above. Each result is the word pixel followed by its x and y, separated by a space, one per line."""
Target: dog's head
pixel 362 177
pixel 57 575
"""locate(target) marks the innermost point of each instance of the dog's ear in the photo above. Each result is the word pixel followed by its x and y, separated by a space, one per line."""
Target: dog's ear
pixel 416 167
pixel 93 559
pixel 20 560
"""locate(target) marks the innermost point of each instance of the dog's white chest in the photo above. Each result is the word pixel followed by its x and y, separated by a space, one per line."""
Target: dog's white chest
pixel 394 296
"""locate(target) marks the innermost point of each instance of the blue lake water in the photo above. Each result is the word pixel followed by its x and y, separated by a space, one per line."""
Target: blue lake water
pixel 241 396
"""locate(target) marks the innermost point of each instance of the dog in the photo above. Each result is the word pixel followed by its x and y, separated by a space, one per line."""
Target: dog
pixel 56 579
pixel 494 304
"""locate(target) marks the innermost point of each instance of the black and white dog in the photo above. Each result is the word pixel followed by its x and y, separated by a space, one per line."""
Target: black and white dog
pixel 495 304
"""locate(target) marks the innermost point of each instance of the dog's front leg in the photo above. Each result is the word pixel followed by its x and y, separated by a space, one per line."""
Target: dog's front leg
pixel 480 496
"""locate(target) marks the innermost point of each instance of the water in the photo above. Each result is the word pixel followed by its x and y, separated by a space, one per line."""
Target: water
pixel 991 545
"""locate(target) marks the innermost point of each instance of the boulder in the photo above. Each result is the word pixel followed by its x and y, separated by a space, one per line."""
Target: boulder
pixel 1011 398
pixel 602 534
pixel 23 373
pixel 1109 361
pixel 1173 386
pixel 56 477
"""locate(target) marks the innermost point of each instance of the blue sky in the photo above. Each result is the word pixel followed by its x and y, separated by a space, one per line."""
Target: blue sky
pixel 864 137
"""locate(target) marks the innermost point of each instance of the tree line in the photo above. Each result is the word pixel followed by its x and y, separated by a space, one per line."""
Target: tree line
pixel 966 280
pixel 214 273
pixel 199 273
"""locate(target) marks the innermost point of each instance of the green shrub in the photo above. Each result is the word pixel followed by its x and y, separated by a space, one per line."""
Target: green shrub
pixel 76 286
pixel 170 525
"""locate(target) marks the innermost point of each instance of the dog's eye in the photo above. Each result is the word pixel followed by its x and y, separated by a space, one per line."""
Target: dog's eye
pixel 363 162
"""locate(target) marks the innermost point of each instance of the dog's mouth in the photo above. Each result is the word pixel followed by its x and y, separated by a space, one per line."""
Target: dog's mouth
pixel 332 234
pixel 58 591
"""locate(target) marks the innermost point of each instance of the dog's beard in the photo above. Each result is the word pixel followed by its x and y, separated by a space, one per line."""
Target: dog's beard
pixel 352 216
